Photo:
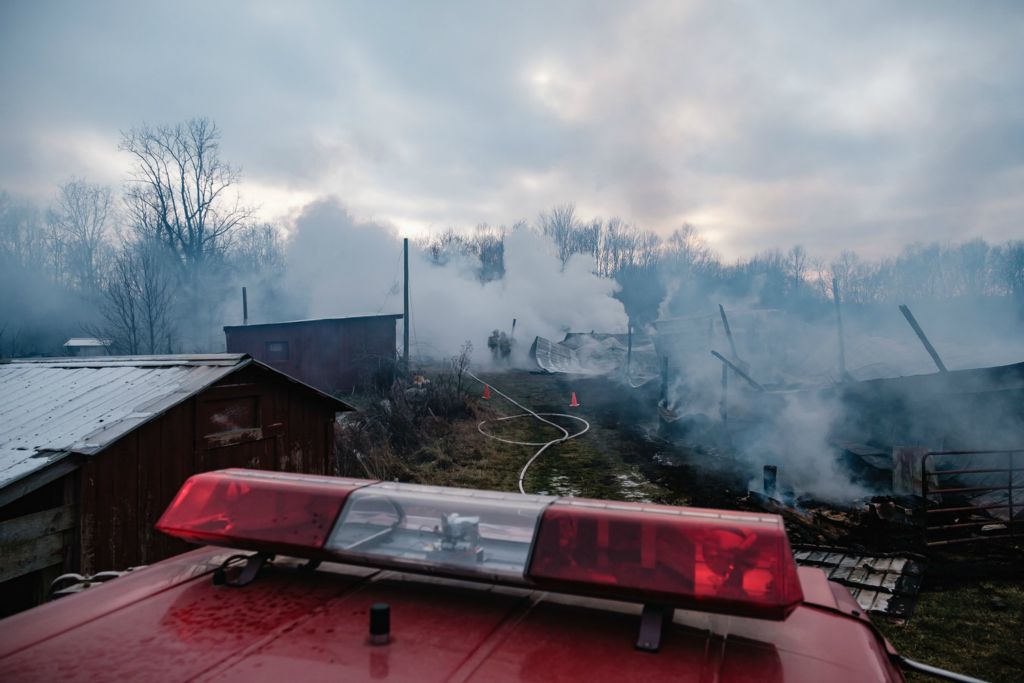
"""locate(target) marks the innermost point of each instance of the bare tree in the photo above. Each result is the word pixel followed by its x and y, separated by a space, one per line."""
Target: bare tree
pixel 181 192
pixel 119 307
pixel 796 267
pixel 559 224
pixel 22 238
pixel 257 248
pixel 842 270
pixel 1011 267
pixel 686 251
pixel 138 299
pixel 79 223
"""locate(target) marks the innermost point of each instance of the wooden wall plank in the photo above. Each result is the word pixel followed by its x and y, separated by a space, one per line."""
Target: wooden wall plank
pixel 32 526
pixel 22 558
pixel 87 521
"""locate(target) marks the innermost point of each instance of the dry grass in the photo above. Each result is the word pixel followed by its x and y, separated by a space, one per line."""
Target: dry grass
pixel 975 629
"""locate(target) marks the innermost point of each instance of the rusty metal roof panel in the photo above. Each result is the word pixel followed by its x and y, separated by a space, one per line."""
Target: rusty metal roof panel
pixel 881 583
pixel 54 407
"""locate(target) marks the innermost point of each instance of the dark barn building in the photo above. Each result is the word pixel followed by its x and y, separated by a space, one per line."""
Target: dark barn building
pixel 336 355
pixel 92 450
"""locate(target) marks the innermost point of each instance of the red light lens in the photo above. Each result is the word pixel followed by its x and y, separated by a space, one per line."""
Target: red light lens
pixel 733 563
pixel 254 510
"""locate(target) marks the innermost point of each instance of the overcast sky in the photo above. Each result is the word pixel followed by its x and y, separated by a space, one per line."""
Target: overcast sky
pixel 834 125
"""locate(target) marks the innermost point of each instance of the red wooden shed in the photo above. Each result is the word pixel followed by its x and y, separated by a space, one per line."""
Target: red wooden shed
pixel 93 449
pixel 335 355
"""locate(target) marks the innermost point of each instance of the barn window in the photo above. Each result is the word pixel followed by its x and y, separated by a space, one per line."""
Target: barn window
pixel 277 350
pixel 229 414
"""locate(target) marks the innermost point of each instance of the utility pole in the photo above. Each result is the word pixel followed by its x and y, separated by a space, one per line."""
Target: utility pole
pixel 405 307
pixel 245 308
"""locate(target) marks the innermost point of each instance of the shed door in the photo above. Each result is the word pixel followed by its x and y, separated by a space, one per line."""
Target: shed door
pixel 260 454
pixel 234 430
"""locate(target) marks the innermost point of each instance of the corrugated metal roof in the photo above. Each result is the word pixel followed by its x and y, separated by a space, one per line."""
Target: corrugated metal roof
pixel 87 341
pixel 52 407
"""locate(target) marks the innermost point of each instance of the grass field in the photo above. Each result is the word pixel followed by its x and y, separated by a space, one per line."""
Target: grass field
pixel 975 628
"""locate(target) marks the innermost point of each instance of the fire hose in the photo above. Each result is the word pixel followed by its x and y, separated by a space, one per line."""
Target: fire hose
pixel 544 445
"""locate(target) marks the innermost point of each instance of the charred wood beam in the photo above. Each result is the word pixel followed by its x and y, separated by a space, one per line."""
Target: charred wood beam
pixel 728 333
pixel 924 339
pixel 737 370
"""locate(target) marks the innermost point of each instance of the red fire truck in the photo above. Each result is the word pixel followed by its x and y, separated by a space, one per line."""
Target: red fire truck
pixel 309 578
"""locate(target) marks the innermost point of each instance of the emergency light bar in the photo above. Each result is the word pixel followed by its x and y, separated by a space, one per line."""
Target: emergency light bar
pixel 728 562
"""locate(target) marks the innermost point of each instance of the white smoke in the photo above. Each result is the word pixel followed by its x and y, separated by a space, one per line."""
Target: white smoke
pixel 339 266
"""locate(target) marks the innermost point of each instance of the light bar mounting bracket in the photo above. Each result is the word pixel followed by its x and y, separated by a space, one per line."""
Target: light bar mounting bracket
pixel 653 621
pixel 245 576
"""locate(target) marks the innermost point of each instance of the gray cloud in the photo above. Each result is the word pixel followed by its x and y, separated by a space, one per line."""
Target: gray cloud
pixel 861 125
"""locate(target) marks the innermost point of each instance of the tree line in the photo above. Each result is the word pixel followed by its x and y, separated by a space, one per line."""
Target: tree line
pixel 681 274
pixel 151 267
pixel 147 268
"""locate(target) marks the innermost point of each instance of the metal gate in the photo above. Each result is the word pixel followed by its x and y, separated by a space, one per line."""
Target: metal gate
pixel 972 495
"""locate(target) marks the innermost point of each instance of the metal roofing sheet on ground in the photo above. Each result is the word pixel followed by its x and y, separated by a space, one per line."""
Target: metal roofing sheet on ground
pixel 881 583
pixel 50 408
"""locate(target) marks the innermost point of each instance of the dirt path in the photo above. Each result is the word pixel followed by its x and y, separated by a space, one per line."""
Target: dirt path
pixel 620 458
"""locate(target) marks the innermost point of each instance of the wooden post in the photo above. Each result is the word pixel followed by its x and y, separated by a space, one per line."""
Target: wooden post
pixel 405 307
pixel 839 328
pixel 771 474
pixel 629 346
pixel 924 339
pixel 723 406
pixel 738 371
pixel 245 307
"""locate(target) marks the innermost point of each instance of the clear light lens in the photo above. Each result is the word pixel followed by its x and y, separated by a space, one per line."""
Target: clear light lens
pixel 480 534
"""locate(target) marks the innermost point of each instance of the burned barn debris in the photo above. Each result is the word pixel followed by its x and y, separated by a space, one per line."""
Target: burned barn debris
pixel 965 469
pixel 938 456
pixel 961 481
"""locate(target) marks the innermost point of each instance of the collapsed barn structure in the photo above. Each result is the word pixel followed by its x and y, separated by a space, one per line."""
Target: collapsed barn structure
pixel 943 450
pixel 92 450
pixel 949 444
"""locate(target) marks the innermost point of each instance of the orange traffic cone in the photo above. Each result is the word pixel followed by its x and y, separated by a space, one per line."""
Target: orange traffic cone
pixel 574 403
pixel 487 392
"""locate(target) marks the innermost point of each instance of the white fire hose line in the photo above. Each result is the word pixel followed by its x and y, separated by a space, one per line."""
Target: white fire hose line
pixel 544 445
